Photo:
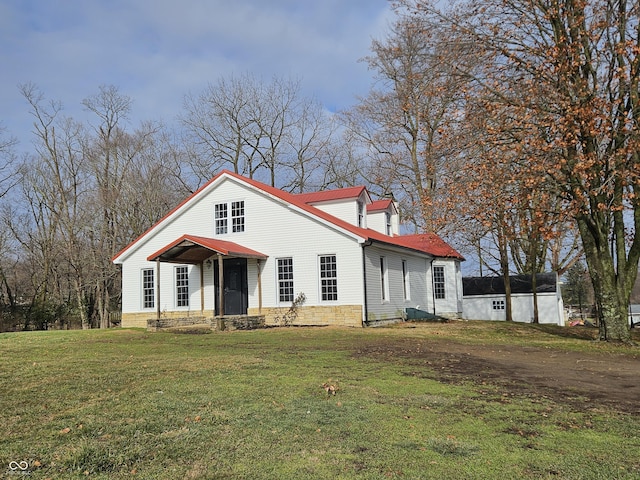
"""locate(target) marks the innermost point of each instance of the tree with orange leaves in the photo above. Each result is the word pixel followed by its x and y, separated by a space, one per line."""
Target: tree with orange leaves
pixel 567 74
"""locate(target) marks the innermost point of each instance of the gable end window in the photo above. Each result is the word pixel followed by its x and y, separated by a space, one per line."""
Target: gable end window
pixel 237 216
pixel 328 278
pixel 220 215
pixel 182 286
pixel 148 288
pixel 285 279
pixel 438 283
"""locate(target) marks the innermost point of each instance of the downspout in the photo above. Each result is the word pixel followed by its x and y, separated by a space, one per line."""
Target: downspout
pixel 365 312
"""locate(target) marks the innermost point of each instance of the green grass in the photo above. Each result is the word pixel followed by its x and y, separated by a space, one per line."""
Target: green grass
pixel 126 403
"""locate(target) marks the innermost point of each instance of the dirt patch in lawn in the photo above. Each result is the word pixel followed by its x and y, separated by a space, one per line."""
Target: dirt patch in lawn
pixel 584 380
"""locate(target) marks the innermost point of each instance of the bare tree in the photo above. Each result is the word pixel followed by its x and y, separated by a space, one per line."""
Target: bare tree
pixel 407 126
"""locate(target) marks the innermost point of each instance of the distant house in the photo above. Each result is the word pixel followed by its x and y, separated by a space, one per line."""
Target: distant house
pixel 240 247
pixel 484 298
pixel 634 315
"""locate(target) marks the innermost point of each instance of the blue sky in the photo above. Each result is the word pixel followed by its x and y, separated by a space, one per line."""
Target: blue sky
pixel 156 51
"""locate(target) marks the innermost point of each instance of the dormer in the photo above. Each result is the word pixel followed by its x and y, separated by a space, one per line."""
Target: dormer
pixel 383 217
pixel 348 204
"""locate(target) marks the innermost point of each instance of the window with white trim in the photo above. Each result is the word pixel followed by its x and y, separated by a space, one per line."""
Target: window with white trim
pixel 148 288
pixel 328 278
pixel 223 211
pixel 285 279
pixel 360 213
pixel 182 286
pixel 387 221
pixel 438 282
pixel 406 288
pixel 237 216
pixel 221 214
pixel 498 305
pixel 384 281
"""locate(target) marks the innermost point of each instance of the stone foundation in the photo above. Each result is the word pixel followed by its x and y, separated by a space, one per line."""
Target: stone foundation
pixel 231 322
pixel 342 315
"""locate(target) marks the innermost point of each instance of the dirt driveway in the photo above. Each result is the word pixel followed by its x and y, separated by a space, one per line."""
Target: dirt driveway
pixel 584 380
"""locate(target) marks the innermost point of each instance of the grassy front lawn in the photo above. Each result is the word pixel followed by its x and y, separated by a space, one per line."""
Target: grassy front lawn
pixel 261 405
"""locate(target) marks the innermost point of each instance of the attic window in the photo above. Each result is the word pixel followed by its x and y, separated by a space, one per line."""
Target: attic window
pixel 221 217
pixel 360 214
pixel 387 221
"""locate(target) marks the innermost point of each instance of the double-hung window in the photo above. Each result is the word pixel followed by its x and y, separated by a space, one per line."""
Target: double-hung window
pixel 221 214
pixel 384 281
pixel 148 288
pixel 285 280
pixel 223 211
pixel 182 286
pixel 237 216
pixel 438 282
pixel 328 278
pixel 387 223
pixel 406 288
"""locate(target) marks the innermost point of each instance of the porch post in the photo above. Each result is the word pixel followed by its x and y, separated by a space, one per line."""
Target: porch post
pixel 259 285
pixel 220 285
pixel 158 288
pixel 202 287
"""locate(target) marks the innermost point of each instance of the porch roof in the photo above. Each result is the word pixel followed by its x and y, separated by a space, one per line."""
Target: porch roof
pixel 192 249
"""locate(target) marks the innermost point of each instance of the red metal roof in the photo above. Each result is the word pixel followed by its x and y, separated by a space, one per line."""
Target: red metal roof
pixel 429 243
pixel 379 205
pixel 329 195
pixel 195 249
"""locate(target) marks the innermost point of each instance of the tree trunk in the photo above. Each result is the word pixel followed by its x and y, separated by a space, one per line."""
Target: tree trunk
pixel 611 288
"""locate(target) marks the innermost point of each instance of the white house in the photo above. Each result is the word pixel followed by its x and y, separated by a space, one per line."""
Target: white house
pixel 339 248
pixel 484 298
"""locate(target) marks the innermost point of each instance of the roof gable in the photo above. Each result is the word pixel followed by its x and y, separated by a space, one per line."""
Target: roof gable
pixel 380 205
pixel 332 195
pixel 429 243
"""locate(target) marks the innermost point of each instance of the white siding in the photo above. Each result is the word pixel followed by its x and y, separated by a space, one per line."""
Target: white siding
pixel 480 307
pixel 451 305
pixel 393 307
pixel 270 228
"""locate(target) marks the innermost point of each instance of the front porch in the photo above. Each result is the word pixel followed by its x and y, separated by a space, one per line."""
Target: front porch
pixel 217 323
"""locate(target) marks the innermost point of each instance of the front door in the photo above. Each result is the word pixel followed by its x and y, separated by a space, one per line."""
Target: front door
pixel 235 286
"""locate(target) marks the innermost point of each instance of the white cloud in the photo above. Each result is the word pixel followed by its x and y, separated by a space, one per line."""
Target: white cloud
pixel 156 51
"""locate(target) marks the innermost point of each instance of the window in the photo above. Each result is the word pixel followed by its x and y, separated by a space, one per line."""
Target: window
pixel 328 278
pixel 221 214
pixel 221 217
pixel 285 279
pixel 498 304
pixel 387 221
pixel 182 286
pixel 405 281
pixel 438 282
pixel 361 214
pixel 148 288
pixel 237 216
pixel 384 283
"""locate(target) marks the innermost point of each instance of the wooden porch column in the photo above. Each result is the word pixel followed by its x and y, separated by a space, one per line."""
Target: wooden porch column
pixel 202 287
pixel 158 288
pixel 220 286
pixel 259 285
